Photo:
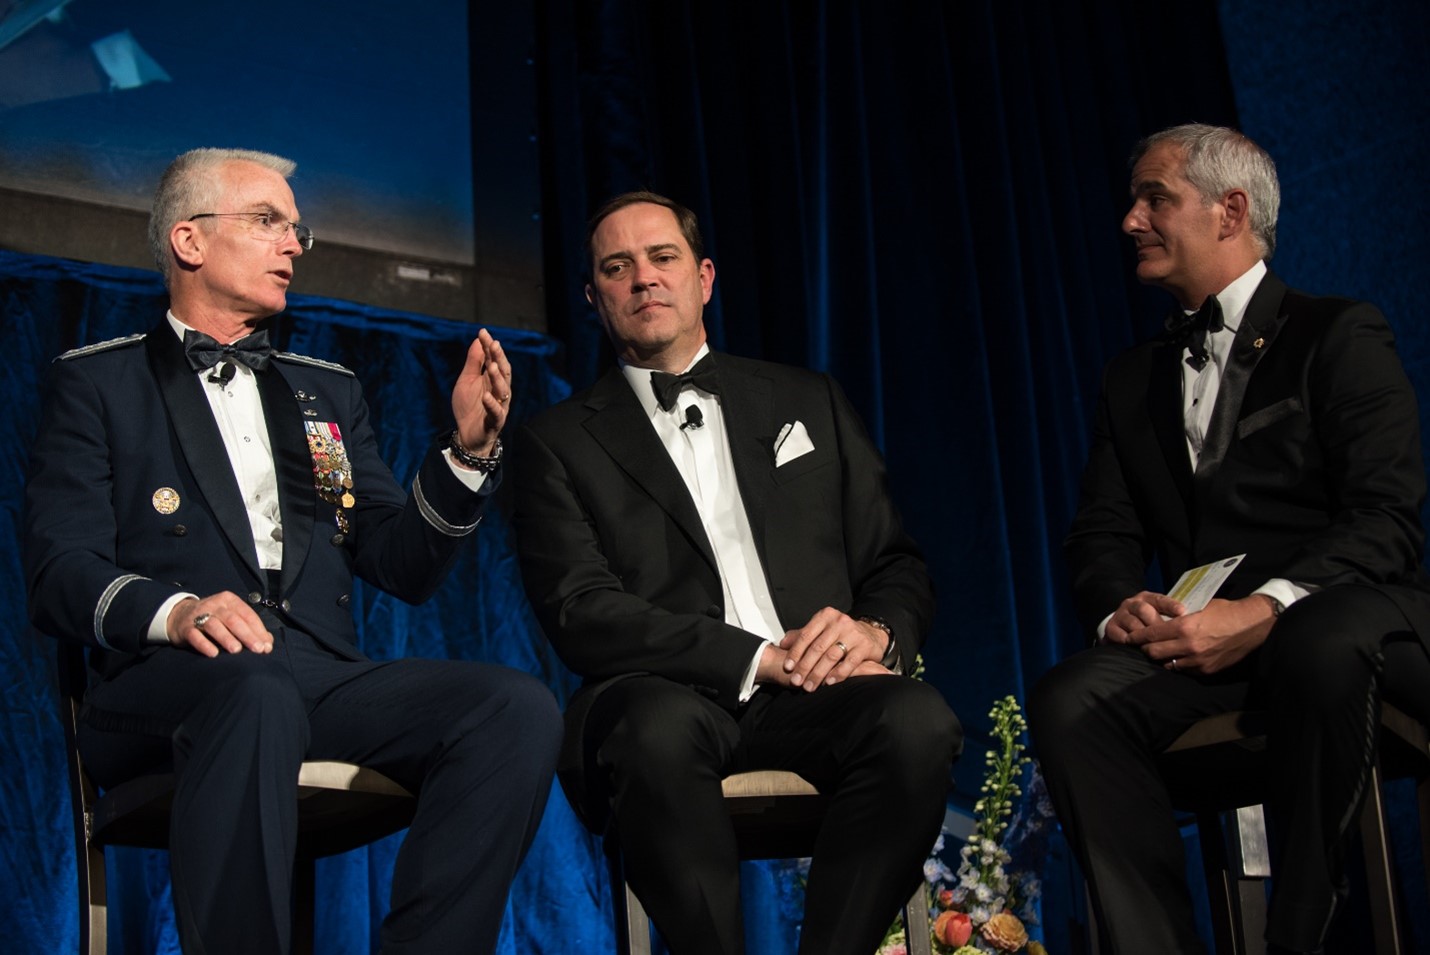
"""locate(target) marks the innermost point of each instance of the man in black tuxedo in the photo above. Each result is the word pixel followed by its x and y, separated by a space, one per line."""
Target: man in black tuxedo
pixel 1271 424
pixel 710 543
pixel 197 508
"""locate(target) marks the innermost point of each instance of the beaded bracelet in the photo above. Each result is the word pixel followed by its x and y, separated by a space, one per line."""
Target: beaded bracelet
pixel 469 460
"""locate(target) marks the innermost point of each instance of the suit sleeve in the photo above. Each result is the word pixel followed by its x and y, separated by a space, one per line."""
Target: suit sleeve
pixel 1108 547
pixel 76 589
pixel 406 542
pixel 1368 434
pixel 599 627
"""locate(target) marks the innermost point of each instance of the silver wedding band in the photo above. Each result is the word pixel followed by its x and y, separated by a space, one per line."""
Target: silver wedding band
pixel 841 646
pixel 202 619
pixel 1174 663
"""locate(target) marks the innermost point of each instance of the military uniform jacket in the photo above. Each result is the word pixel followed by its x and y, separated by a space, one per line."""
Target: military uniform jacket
pixel 132 499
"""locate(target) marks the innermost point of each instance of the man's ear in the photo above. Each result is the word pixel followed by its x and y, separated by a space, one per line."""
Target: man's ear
pixel 187 243
pixel 1236 214
pixel 590 295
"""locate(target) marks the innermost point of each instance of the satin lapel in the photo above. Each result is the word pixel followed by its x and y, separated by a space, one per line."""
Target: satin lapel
pixel 193 421
pixel 1258 329
pixel 619 425
pixel 1164 399
pixel 748 409
pixel 294 465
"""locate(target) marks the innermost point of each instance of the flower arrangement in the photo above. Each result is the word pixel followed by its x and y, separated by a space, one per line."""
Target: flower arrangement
pixel 983 907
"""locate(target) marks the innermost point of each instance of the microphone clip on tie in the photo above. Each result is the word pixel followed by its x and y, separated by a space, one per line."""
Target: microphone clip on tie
pixel 223 374
pixel 694 420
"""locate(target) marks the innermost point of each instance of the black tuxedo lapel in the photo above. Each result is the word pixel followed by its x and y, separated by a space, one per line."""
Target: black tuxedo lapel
pixel 747 406
pixel 1164 397
pixel 619 425
pixel 193 421
pixel 294 466
pixel 1258 329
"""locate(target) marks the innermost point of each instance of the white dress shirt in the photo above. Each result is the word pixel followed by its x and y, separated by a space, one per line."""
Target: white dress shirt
pixel 702 456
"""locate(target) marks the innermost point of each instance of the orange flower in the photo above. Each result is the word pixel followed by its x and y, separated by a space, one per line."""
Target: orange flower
pixel 1005 931
pixel 945 899
pixel 952 928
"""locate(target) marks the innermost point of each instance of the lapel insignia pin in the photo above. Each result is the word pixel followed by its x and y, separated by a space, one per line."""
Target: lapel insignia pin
pixel 302 395
pixel 166 500
pixel 310 412
pixel 1259 343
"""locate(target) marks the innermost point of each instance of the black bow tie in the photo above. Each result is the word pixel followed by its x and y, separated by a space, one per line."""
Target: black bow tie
pixel 1192 330
pixel 204 352
pixel 667 387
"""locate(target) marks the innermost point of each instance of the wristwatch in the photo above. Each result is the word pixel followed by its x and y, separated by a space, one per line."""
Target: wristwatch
pixel 893 661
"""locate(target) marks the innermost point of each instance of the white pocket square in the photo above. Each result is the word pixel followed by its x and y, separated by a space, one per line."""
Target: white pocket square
pixel 793 442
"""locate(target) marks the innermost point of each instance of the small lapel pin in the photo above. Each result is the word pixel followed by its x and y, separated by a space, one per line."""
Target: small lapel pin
pixel 1259 343
pixel 166 500
pixel 310 412
pixel 304 396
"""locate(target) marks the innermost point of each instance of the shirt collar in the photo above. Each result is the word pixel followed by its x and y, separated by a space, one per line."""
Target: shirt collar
pixel 1236 296
pixel 639 380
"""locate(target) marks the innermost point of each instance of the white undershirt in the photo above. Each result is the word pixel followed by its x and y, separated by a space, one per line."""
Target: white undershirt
pixel 702 456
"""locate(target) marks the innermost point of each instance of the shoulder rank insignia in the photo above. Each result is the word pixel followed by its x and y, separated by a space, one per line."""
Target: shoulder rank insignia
pixel 100 346
pixel 313 362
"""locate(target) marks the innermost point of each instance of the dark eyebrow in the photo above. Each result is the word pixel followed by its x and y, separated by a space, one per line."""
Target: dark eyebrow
pixel 1148 185
pixel 662 247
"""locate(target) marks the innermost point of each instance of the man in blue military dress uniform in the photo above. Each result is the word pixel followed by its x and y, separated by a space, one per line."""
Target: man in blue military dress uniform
pixel 197 509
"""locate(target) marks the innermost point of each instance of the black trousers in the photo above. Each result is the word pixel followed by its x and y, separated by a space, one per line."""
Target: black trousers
pixel 881 746
pixel 1100 718
pixel 476 743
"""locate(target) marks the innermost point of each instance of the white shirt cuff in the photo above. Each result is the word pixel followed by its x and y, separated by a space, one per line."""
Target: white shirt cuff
pixel 159 626
pixel 472 479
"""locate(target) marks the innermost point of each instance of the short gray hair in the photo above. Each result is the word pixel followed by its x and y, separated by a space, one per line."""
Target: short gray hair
pixel 1220 159
pixel 189 187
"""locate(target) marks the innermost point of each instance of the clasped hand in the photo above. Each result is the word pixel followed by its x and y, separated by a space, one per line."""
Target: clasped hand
pixel 1204 641
pixel 830 648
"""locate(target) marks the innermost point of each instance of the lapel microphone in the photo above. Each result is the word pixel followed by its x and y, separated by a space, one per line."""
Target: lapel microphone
pixel 694 420
pixel 223 374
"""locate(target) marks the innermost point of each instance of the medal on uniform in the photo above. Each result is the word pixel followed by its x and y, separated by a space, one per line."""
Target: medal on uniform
pixel 332 470
pixel 165 500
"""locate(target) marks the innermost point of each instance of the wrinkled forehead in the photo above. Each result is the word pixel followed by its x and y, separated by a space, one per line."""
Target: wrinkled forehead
pixel 249 187
pixel 1161 167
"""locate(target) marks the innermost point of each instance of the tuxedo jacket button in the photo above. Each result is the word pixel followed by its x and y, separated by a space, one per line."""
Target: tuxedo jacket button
pixel 337 540
pixel 344 600
pixel 284 605
pixel 255 598
pixel 715 612
pixel 180 530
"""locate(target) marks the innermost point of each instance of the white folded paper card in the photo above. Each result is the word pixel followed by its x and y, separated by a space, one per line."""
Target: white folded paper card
pixel 1198 586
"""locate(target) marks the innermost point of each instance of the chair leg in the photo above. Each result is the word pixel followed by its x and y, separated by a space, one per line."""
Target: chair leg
pixel 637 924
pixel 1379 874
pixel 93 900
pixel 916 922
pixel 305 894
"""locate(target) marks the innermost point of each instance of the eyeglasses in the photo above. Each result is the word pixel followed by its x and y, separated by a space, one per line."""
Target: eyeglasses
pixel 269 225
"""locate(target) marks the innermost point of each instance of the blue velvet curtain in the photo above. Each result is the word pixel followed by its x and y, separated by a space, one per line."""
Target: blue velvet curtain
pixel 922 199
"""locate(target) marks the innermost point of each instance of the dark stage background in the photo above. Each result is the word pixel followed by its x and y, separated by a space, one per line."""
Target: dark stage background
pixel 921 199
